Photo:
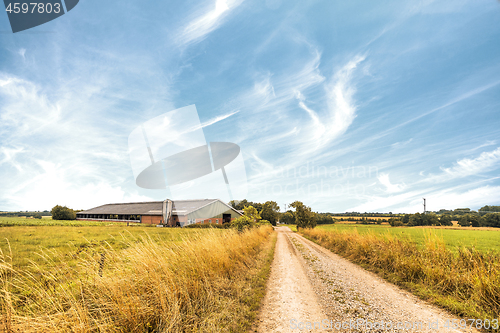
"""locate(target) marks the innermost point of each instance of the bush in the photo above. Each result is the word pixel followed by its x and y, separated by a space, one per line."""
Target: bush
pixel 395 222
pixel 63 213
pixel 263 223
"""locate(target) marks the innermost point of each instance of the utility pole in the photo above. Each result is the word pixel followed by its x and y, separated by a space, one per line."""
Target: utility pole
pixel 425 211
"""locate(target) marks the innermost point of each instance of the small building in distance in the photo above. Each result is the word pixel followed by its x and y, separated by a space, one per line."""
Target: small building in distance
pixel 175 213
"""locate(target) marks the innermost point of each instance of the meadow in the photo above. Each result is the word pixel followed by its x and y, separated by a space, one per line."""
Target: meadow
pixel 25 240
pixel 453 237
pixel 99 277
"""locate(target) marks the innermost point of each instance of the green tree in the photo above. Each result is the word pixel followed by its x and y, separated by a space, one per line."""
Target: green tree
pixel 430 219
pixel 324 219
pixel 270 212
pixel 475 220
pixel 304 217
pixel 62 213
pixel 446 220
pixel 395 222
pixel 464 221
pixel 488 209
pixel 287 218
pixel 252 213
pixel 406 219
pixel 247 220
pixel 415 220
pixel 239 205
pixel 491 220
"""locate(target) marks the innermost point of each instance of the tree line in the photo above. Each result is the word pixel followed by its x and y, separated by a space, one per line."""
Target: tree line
pixel 432 219
pixel 301 215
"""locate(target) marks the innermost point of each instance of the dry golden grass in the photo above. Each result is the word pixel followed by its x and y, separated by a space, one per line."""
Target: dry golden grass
pixel 211 283
pixel 465 281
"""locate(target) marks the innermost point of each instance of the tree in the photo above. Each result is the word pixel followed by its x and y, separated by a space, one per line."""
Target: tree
pixel 62 213
pixel 446 220
pixel 287 218
pixel 406 219
pixel 270 211
pixel 416 219
pixel 239 205
pixel 464 221
pixel 394 222
pixel 304 217
pixel 430 219
pixel 491 220
pixel 324 219
pixel 252 213
pixel 247 220
pixel 475 220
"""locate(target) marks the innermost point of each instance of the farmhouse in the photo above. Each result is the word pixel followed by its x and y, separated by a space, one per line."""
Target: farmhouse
pixel 175 213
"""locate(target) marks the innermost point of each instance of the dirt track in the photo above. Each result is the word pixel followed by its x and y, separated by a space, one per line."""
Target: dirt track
pixel 309 285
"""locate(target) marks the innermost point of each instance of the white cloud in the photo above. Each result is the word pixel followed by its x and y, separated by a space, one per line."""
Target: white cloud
pixel 487 161
pixel 340 94
pixel 383 178
pixel 218 118
pixel 53 150
pixel 202 25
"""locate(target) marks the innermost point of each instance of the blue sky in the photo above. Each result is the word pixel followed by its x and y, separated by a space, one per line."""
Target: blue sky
pixel 345 105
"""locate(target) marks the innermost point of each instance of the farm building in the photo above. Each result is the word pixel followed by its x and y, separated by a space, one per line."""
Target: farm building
pixel 176 213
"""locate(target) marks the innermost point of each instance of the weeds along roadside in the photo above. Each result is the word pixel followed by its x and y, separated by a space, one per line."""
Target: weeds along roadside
pixel 466 282
pixel 210 283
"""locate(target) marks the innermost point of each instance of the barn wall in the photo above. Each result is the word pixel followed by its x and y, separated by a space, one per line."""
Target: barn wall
pixel 151 219
pixel 213 210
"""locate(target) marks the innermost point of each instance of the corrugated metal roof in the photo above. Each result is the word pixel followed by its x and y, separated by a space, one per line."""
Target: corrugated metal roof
pixel 179 207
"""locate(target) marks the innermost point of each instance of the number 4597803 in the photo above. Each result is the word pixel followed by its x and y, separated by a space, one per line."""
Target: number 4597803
pixel 33 7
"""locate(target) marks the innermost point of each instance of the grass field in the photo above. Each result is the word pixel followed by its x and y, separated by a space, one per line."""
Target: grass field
pixel 453 238
pixel 114 278
pixel 73 239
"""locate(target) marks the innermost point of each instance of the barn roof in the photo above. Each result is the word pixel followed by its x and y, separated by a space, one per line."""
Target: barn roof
pixel 180 207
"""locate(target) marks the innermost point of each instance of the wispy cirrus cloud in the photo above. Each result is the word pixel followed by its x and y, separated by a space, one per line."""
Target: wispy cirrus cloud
pixel 218 118
pixel 341 107
pixel 465 167
pixel 198 28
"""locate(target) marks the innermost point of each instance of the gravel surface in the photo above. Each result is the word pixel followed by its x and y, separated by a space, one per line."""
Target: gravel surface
pixel 312 288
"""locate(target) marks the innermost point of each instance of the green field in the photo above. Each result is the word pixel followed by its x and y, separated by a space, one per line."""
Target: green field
pixel 205 280
pixel 483 240
pixel 31 240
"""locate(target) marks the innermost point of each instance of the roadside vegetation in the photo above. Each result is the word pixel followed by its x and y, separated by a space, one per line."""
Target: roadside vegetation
pixel 164 279
pixel 464 280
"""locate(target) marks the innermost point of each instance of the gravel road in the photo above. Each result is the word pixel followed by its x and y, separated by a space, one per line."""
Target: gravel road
pixel 310 289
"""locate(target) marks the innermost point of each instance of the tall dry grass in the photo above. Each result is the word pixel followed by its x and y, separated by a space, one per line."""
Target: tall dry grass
pixel 466 281
pixel 209 283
